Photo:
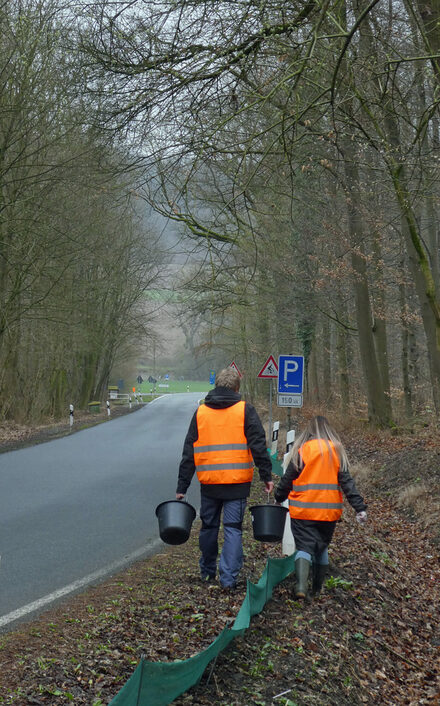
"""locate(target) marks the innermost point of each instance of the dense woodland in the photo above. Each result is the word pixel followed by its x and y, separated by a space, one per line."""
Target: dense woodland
pixel 75 252
pixel 296 145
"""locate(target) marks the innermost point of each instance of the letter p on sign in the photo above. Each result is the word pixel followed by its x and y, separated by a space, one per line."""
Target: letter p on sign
pixel 290 366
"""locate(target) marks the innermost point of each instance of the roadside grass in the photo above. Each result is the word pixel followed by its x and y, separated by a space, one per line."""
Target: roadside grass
pixel 174 386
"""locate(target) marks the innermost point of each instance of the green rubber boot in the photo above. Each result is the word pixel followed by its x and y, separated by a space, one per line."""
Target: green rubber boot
pixel 302 568
pixel 319 574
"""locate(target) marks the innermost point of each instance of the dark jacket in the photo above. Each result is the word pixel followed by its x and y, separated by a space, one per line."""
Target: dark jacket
pixel 345 480
pixel 220 398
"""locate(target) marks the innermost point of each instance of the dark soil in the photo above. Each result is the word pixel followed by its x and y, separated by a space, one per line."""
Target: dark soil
pixel 372 637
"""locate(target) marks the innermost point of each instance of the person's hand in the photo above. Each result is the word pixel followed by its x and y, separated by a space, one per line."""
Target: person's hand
pixel 361 517
pixel 268 486
pixel 180 496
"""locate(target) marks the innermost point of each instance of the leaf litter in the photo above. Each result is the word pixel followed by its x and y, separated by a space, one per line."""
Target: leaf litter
pixel 371 637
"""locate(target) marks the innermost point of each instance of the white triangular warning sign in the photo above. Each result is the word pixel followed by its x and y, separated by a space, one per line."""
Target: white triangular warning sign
pixel 234 365
pixel 269 369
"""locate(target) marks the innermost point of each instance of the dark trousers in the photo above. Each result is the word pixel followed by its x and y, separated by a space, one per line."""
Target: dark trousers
pixel 312 538
pixel 231 558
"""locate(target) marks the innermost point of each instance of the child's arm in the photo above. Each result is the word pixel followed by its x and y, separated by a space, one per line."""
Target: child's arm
pixel 350 491
pixel 285 484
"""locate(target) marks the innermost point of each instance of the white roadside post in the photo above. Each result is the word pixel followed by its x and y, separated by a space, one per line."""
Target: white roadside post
pixel 71 415
pixel 129 401
pixel 290 438
pixel 274 441
pixel 108 408
pixel 288 540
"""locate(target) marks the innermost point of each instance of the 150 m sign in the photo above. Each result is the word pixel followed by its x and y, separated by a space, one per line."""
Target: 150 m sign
pixel 290 380
pixel 290 400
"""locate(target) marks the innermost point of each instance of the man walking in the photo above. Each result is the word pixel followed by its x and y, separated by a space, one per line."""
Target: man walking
pixel 224 440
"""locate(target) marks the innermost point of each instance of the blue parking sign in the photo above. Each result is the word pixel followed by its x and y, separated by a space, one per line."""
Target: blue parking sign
pixel 290 374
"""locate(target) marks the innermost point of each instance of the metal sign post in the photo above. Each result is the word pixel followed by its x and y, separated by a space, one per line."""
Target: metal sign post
pixel 270 404
pixel 268 372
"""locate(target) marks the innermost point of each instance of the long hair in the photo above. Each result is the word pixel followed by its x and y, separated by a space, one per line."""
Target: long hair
pixel 320 428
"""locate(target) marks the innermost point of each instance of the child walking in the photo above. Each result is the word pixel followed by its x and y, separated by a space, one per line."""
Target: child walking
pixel 315 476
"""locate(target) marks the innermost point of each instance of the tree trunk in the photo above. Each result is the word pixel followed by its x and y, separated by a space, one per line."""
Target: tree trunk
pixel 407 395
pixel 379 410
pixel 379 328
pixel 424 283
pixel 326 354
pixel 342 344
pixel 312 383
pixel 430 14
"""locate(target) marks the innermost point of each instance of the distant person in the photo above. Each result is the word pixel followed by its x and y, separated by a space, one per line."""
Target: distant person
pixel 224 440
pixel 315 476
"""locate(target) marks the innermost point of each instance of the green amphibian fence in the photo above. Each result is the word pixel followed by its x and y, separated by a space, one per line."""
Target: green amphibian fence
pixel 159 683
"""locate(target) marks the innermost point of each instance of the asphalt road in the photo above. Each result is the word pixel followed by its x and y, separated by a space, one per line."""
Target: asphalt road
pixel 79 508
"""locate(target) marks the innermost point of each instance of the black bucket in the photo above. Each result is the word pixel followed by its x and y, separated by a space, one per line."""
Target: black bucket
pixel 268 522
pixel 175 521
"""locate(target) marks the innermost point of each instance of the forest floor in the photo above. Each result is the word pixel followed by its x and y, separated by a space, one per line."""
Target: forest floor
pixel 371 637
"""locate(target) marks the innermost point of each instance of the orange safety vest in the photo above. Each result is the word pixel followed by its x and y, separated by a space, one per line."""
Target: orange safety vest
pixel 221 453
pixel 315 494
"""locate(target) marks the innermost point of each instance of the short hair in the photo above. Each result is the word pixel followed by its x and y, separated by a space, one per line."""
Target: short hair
pixel 228 377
